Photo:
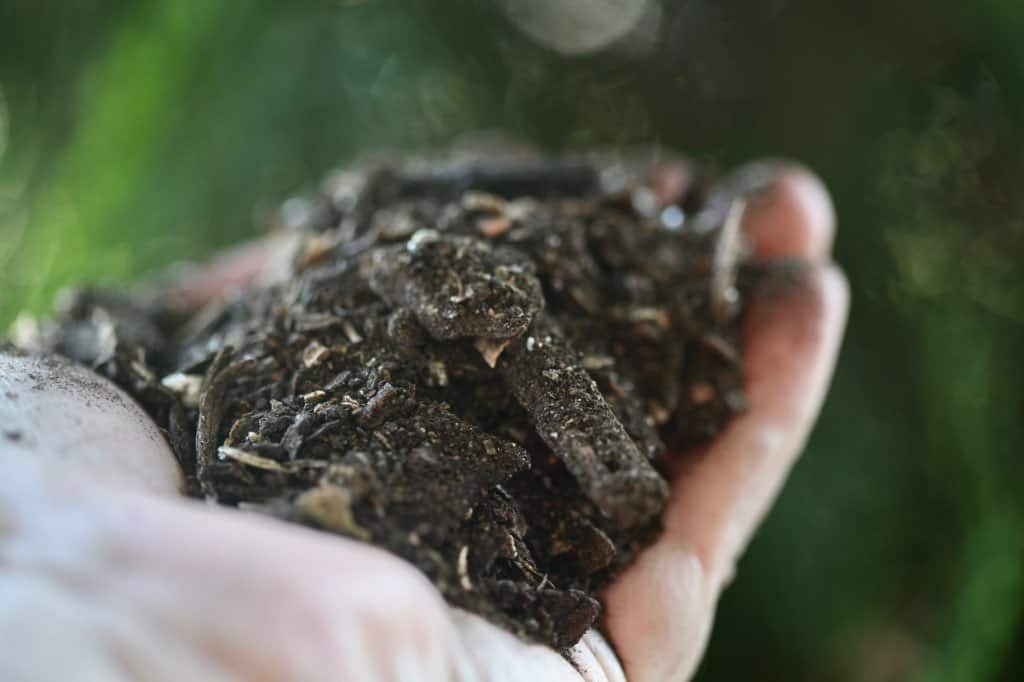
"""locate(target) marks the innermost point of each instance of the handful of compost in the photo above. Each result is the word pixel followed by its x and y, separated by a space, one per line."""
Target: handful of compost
pixel 480 366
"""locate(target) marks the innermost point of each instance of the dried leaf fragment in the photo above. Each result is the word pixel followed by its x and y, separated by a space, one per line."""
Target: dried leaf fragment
pixel 490 349
pixel 330 506
pixel 185 386
pixel 248 458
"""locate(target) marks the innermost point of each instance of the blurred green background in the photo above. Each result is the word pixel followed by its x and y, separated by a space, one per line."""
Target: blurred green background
pixel 137 133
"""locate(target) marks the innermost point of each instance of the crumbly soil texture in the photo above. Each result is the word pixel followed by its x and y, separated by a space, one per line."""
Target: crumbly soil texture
pixel 483 365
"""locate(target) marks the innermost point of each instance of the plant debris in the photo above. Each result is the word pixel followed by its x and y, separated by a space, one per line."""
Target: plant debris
pixel 478 365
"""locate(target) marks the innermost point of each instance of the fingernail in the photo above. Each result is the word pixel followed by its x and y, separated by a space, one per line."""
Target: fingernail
pixel 816 205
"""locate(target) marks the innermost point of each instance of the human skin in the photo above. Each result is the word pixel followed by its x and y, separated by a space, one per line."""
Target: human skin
pixel 107 573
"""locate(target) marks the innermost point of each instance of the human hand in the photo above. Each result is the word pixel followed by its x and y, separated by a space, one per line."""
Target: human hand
pixel 106 573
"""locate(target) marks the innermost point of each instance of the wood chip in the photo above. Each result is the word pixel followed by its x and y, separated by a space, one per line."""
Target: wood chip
pixel 314 354
pixel 330 506
pixel 494 227
pixel 185 386
pixel 462 566
pixel 249 458
pixel 490 349
pixel 724 298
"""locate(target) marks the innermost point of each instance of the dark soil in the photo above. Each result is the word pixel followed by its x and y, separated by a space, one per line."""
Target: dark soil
pixel 480 366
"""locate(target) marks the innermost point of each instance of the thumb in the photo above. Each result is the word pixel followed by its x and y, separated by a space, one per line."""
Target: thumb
pixel 58 417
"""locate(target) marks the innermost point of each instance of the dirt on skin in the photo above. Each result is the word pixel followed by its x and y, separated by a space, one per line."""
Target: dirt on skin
pixel 479 365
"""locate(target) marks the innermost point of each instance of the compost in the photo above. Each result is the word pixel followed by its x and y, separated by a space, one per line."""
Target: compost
pixel 486 366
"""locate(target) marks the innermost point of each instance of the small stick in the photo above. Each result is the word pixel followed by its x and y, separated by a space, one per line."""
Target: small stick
pixel 211 410
pixel 579 426
pixel 723 294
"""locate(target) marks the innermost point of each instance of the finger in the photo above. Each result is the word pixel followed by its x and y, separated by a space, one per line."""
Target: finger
pixel 185 592
pixel 597 661
pixel 792 217
pixel 56 416
pixel 159 588
pixel 261 261
pixel 659 612
pixel 661 609
pixel 792 338
pixel 495 655
pixel 215 570
pixel 789 213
